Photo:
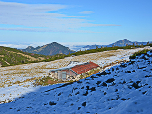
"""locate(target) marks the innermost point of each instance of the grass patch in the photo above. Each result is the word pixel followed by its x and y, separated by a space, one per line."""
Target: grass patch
pixel 45 81
pixel 138 53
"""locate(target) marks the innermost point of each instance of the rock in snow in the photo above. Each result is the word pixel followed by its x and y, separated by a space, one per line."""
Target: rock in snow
pixel 123 89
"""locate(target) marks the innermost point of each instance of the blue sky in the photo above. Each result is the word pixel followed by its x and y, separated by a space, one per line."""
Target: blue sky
pixel 73 22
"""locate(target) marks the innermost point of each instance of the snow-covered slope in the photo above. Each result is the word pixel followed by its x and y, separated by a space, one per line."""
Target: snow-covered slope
pixel 123 89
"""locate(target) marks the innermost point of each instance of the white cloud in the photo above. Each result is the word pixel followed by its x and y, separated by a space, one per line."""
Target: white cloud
pixel 21 46
pixel 48 30
pixel 35 17
pixel 76 46
pixel 86 12
pixel 30 8
pixel 84 43
pixel 79 45
pixel 71 45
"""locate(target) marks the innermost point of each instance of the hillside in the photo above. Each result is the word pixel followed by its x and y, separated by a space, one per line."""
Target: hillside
pixel 49 49
pixel 122 89
pixel 11 56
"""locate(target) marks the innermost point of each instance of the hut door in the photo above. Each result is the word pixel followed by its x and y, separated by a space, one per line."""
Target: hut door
pixel 59 75
pixel 63 75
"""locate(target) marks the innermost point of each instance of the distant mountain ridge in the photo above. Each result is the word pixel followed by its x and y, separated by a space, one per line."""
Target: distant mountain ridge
pixel 56 48
pixel 126 42
pixel 49 49
pixel 119 43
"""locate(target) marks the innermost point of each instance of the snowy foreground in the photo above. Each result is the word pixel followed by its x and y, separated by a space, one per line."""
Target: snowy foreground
pixel 122 89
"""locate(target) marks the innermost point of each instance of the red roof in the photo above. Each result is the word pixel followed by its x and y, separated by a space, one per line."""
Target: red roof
pixel 79 69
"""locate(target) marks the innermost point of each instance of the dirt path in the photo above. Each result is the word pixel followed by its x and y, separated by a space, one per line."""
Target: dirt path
pixel 1 55
pixel 5 61
pixel 27 56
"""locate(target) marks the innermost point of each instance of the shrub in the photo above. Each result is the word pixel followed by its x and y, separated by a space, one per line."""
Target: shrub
pixel 138 53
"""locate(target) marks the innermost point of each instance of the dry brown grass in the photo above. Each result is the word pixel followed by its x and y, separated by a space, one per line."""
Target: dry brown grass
pixel 28 56
pixel 1 55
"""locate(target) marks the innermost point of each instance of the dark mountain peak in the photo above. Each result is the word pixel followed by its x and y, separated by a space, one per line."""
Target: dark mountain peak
pixel 54 43
pixel 125 40
pixel 38 47
pixel 49 49
pixel 30 47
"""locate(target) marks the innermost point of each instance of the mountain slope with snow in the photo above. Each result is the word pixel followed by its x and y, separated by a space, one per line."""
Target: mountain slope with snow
pixel 122 89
